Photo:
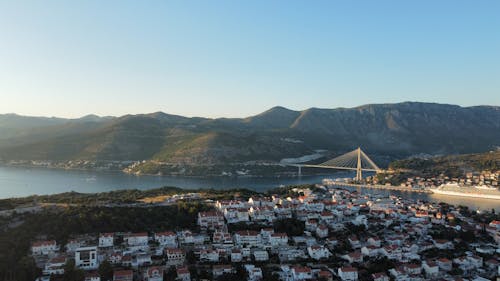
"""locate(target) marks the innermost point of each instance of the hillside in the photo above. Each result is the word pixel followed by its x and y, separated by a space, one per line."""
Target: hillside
pixel 384 131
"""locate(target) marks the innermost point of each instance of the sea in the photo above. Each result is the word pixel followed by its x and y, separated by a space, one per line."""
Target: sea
pixel 22 181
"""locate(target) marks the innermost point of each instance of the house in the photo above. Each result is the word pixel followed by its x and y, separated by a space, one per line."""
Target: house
pixel 354 241
pixel 123 275
pixel 353 257
pixel 431 269
pixel 136 239
pixel 260 255
pixel 115 258
pixel 209 255
pixel 236 255
pixel 254 273
pixel 142 259
pixel 235 215
pixel 175 256
pixel 86 258
pixel 322 231
pixel 370 251
pixel 278 239
pixel 348 273
pixel 72 245
pixel 391 252
pixel 380 276
pixel 443 244
pixel 92 276
pixel 183 274
pixel 55 266
pixel 301 273
pixel 166 238
pixel 413 269
pixel 444 264
pixel 210 220
pixel 311 225
pixel 264 213
pixel 153 273
pixel 219 270
pixel 106 240
pixel 374 241
pixel 44 247
pixel 247 237
pixel 399 273
pixel 222 237
pixel 318 252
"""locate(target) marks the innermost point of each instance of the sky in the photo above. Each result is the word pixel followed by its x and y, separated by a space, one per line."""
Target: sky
pixel 238 58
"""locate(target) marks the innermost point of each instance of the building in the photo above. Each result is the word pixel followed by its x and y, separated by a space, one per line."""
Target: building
pixel 318 252
pixel 348 273
pixel 153 273
pixel 183 274
pixel 301 273
pixel 219 270
pixel 86 258
pixel 254 273
pixel 123 275
pixel 175 256
pixel 137 239
pixel 247 237
pixel 260 255
pixel 209 255
pixel 278 239
pixel 210 220
pixel 166 238
pixel 55 266
pixel 44 247
pixel 92 276
pixel 106 240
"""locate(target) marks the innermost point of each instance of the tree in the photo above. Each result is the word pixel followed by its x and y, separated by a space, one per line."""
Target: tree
pixel 106 271
pixel 71 273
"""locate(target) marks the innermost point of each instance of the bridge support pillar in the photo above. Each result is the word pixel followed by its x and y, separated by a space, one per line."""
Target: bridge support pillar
pixel 300 171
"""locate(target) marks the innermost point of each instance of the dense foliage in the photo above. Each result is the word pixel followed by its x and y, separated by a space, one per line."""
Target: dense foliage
pixel 60 224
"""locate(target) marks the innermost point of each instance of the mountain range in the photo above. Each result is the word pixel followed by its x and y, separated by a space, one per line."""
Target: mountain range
pixel 387 131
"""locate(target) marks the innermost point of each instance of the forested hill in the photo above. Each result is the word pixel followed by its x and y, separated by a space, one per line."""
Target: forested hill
pixel 394 130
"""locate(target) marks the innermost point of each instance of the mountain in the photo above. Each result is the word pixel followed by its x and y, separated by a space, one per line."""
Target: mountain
pixel 385 131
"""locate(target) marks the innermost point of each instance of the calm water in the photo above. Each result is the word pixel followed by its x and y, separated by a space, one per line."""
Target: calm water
pixel 18 182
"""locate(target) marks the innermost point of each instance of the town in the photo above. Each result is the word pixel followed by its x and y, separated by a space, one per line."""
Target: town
pixel 317 233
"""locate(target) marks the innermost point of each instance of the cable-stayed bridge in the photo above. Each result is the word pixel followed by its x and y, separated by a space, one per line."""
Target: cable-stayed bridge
pixel 355 160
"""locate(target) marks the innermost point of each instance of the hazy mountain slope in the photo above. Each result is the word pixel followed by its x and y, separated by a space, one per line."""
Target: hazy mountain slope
pixel 395 130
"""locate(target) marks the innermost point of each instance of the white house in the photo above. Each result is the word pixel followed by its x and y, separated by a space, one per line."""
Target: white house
pixel 278 239
pixel 106 240
pixel 247 237
pixel 55 266
pixel 260 255
pixel 166 238
pixel 218 270
pixel 322 231
pixel 348 273
pixel 86 258
pixel 175 256
pixel 254 273
pixel 44 247
pixel 209 255
pixel 318 252
pixel 183 274
pixel 153 273
pixel 137 239
pixel 301 273
pixel 431 269
pixel 236 255
pixel 210 220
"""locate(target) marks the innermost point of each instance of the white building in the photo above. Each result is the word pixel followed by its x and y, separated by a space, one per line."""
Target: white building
pixel 55 266
pixel 86 258
pixel 247 237
pixel 209 255
pixel 44 247
pixel 318 252
pixel 166 238
pixel 154 273
pixel 137 239
pixel 348 273
pixel 260 255
pixel 278 239
pixel 301 273
pixel 210 220
pixel 106 240
pixel 254 273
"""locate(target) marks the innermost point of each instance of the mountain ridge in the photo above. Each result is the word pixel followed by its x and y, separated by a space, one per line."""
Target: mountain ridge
pixel 388 130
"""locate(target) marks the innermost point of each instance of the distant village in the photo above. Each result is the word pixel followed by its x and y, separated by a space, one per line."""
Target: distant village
pixel 344 236
pixel 488 178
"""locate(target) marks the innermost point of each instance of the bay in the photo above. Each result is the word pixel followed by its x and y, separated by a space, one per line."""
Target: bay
pixel 21 181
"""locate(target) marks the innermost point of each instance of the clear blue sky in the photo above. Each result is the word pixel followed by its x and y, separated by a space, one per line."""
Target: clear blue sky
pixel 238 58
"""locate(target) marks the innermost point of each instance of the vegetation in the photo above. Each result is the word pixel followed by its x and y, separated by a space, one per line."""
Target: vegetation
pixel 61 223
